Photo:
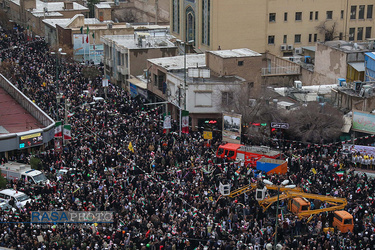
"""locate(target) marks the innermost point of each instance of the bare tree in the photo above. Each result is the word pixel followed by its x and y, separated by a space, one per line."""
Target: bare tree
pixel 328 30
pixel 315 123
pixel 255 106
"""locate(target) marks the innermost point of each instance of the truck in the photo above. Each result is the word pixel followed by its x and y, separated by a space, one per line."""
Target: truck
pixel 248 154
pixel 15 171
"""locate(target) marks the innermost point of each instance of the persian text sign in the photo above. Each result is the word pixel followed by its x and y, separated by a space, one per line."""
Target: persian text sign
pixel 364 122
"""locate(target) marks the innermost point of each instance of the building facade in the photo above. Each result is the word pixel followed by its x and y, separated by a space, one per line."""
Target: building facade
pixel 281 27
pixel 127 55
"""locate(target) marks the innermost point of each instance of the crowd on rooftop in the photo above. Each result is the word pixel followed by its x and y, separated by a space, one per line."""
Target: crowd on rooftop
pixel 164 190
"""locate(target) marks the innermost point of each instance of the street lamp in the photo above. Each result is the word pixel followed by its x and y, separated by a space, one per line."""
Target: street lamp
pixel 58 94
pixel 187 43
pixel 285 183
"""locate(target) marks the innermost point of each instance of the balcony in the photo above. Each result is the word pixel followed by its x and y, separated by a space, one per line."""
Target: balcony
pixel 109 62
pixel 280 71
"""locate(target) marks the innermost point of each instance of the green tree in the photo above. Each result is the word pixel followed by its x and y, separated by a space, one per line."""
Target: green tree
pixel 35 163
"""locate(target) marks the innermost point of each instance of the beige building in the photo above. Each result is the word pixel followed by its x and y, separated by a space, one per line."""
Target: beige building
pixel 281 27
pixel 31 13
pixel 127 55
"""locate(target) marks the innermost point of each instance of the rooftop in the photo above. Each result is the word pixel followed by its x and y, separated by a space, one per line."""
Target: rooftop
pixel 235 53
pixel 177 62
pixel 350 47
pixel 61 22
pixel 132 41
pixel 54 6
pixel 105 5
pixel 13 117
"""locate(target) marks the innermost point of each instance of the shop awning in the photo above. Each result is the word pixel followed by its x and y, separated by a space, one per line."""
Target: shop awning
pixel 138 83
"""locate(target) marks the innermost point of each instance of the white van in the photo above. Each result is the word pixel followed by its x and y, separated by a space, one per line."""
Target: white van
pixel 19 197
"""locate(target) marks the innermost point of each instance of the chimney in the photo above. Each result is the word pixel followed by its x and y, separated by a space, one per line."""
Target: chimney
pixel 68 5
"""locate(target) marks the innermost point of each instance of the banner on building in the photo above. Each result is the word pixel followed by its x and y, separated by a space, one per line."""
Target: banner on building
pixel 58 129
pixel 232 128
pixel 363 122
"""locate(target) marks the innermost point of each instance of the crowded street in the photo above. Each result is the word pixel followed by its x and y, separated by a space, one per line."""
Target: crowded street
pixel 164 188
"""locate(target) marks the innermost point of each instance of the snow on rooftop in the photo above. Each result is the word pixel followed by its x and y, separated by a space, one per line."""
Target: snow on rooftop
pixel 319 89
pixel 235 53
pixel 48 14
pixel 55 6
pixel 131 41
pixel 102 6
pixel 177 62
pixel 61 22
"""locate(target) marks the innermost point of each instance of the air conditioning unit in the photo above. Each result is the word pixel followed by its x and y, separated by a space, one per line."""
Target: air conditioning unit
pixel 283 47
pixel 290 47
pixel 340 81
pixel 298 84
pixel 368 92
pixel 298 51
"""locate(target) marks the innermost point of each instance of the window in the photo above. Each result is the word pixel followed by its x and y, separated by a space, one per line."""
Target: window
pixel 271 39
pixel 310 38
pixel 285 16
pixel 361 12
pixel 176 16
pixel 329 14
pixel 316 15
pixel 226 97
pixel 340 36
pixel 240 63
pixel 369 11
pixel 206 12
pixel 315 38
pixel 311 15
pixel 359 33
pixel 272 17
pixel 285 39
pixel 353 12
pixel 351 34
pixel 298 16
pixel 342 14
pixel 368 32
pixel 297 38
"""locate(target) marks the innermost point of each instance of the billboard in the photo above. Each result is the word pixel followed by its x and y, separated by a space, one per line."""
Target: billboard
pixel 363 122
pixel 84 51
pixel 30 140
pixel 232 128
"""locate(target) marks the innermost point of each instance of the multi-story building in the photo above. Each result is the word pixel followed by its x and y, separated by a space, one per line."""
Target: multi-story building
pixel 126 55
pixel 281 27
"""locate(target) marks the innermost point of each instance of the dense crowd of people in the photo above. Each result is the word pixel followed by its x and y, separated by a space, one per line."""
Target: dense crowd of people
pixel 164 190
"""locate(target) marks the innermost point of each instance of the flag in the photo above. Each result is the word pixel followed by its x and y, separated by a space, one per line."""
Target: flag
pixel 67 132
pixel 185 122
pixel 93 35
pixel 58 129
pixel 87 32
pixel 130 147
pixel 340 173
